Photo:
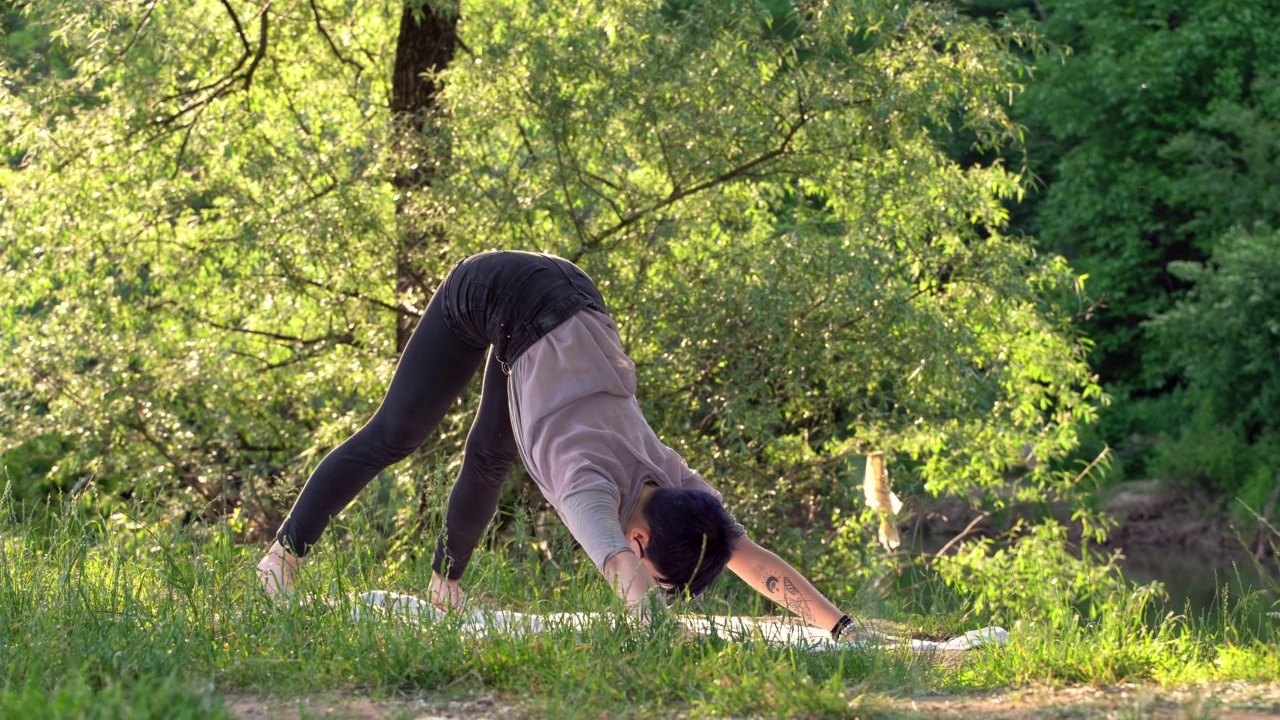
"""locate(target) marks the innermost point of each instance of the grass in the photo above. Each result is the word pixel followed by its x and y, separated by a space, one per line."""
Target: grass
pixel 121 619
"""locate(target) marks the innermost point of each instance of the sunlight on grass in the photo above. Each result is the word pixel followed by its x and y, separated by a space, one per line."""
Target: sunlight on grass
pixel 119 619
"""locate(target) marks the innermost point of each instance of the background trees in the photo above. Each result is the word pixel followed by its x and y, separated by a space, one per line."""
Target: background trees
pixel 1156 141
pixel 800 270
pixel 1224 335
pixel 199 272
pixel 218 218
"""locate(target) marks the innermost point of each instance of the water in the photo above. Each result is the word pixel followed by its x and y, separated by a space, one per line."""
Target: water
pixel 1196 582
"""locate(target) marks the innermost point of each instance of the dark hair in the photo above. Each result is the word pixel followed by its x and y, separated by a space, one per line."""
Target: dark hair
pixel 691 537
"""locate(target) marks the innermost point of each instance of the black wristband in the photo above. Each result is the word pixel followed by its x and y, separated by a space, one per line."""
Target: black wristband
pixel 844 623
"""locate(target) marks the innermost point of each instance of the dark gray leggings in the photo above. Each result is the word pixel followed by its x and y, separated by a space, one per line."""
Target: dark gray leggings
pixel 508 299
pixel 434 369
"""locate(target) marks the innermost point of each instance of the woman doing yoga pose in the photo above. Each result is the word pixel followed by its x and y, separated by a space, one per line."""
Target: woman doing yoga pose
pixel 560 394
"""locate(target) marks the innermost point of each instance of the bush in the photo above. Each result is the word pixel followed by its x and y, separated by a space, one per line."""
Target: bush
pixel 1038 579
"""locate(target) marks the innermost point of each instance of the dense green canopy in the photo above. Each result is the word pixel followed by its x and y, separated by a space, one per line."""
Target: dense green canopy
pixel 1158 138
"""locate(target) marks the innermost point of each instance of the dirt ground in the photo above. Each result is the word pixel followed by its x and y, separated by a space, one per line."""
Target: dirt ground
pixel 1228 701
pixel 348 707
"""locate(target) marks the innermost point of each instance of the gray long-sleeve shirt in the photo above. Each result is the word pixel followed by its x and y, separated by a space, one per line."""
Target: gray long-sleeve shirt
pixel 582 435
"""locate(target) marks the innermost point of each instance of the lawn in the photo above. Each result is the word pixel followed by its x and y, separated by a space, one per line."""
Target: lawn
pixel 118 618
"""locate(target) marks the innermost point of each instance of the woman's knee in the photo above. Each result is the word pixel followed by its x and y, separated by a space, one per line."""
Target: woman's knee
pixel 488 465
pixel 389 442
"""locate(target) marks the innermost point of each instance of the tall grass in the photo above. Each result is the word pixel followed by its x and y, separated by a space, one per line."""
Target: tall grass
pixel 119 617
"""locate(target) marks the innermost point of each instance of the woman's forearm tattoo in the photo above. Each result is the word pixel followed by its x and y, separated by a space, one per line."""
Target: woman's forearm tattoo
pixel 791 597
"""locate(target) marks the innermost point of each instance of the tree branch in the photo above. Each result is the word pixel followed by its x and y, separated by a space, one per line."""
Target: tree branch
pixel 333 47
pixel 401 309
pixel 741 171
pixel 262 48
pixel 345 338
pixel 198 97
pixel 235 20
pixel 564 188
pixel 180 468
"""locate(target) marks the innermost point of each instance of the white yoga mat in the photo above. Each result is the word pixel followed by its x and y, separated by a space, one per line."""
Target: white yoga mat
pixel 380 603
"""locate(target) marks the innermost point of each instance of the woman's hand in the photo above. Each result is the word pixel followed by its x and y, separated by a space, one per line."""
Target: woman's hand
pixel 445 594
pixel 277 570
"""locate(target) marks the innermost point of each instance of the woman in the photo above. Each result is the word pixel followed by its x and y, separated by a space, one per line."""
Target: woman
pixel 559 392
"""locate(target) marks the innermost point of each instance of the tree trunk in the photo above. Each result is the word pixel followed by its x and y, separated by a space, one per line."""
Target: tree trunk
pixel 426 45
pixel 428 38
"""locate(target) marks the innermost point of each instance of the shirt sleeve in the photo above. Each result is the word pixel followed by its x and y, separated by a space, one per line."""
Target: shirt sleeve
pixel 592 518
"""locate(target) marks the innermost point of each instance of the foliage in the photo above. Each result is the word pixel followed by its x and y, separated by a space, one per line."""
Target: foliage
pixel 92 608
pixel 996 579
pixel 799 270
pixel 1225 327
pixel 142 698
pixel 200 293
pixel 121 618
pixel 1156 135
pixel 188 289
pixel 1221 336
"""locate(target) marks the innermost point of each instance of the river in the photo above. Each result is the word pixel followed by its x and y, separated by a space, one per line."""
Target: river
pixel 1196 583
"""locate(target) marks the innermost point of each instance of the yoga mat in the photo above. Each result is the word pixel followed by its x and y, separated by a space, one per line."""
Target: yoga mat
pixel 383 604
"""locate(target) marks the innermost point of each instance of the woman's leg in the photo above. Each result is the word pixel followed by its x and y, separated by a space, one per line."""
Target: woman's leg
pixel 433 370
pixel 490 452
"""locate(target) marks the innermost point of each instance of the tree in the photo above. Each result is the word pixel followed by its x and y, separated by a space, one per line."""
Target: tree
pixel 207 232
pixel 1224 336
pixel 800 270
pixel 197 213
pixel 425 45
pixel 1159 137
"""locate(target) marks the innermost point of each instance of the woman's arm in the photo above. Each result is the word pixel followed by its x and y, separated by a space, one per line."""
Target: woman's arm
pixel 774 578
